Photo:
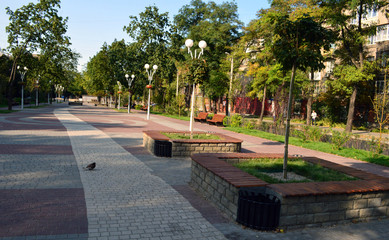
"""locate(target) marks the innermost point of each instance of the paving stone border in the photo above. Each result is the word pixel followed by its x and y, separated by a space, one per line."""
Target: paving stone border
pixel 311 204
pixel 187 147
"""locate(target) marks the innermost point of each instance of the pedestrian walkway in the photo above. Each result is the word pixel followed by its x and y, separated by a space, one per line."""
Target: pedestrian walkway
pixel 46 194
pixel 123 198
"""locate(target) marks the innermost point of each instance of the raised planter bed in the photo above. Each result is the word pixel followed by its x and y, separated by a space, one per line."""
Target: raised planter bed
pixel 310 204
pixel 152 140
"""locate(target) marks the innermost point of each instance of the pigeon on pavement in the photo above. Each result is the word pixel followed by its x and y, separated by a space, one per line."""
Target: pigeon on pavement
pixel 91 166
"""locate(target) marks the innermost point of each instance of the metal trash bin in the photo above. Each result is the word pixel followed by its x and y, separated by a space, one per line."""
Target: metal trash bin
pixel 258 210
pixel 163 148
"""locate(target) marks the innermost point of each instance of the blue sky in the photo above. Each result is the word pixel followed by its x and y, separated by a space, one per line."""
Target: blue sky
pixel 93 22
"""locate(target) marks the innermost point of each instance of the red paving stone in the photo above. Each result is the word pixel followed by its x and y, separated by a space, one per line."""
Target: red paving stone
pixel 63 211
pixel 35 121
pixel 26 212
pixel 35 149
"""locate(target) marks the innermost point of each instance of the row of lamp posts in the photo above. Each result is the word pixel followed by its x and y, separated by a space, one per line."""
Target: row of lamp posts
pixel 150 74
pixel 58 89
pixel 23 72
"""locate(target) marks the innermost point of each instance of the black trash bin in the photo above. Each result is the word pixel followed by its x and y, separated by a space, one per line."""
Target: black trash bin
pixel 258 210
pixel 163 148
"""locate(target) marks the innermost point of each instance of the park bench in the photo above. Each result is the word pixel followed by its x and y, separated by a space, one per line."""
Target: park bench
pixel 202 117
pixel 144 108
pixel 217 119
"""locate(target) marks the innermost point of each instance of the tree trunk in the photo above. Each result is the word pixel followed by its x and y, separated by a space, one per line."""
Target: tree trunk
pixel 227 104
pixel 284 169
pixel 263 105
pixel 309 110
pixel 310 100
pixel 350 116
pixel 203 102
pixel 351 108
pixel 10 84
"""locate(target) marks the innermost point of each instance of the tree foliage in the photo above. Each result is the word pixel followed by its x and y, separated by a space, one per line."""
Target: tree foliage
pixel 37 28
pixel 346 19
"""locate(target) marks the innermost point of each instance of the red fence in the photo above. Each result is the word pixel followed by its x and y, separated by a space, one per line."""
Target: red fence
pixel 247 105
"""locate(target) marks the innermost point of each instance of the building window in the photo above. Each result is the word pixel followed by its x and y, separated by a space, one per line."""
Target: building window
pixel 371 13
pixel 382 34
pixel 330 65
pixel 316 76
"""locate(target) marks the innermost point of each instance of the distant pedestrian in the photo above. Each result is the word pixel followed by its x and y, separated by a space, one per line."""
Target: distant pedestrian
pixel 314 116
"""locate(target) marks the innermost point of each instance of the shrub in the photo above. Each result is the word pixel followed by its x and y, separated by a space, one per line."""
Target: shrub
pixel 301 133
pixel 375 147
pixel 226 121
pixel 236 120
pixel 339 138
pixel 315 134
pixel 247 124
pixel 308 133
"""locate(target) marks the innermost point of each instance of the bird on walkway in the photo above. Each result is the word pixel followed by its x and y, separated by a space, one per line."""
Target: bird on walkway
pixel 91 166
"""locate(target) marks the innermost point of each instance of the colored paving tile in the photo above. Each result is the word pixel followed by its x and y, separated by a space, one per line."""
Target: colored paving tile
pixel 28 212
pixel 35 149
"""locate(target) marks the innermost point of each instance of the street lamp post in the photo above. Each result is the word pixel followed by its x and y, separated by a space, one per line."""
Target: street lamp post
pixel 58 90
pixel 202 45
pixel 150 75
pixel 22 74
pixel 105 98
pixel 129 90
pixel 120 93
pixel 48 94
pixel 37 91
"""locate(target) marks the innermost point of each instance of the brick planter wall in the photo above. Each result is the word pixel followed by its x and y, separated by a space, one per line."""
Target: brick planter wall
pixel 302 204
pixel 187 147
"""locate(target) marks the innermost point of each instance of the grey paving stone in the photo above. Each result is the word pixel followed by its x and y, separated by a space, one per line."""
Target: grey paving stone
pixel 123 186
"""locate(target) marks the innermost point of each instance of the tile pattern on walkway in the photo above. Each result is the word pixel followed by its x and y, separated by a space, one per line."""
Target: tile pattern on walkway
pixel 173 169
pixel 123 198
pixel 41 195
pixel 44 193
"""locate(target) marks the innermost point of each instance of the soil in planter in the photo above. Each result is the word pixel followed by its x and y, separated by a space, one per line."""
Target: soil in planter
pixel 204 136
pixel 270 170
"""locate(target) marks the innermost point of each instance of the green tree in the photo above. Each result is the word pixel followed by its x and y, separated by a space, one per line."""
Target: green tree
pixel 37 28
pixel 346 17
pixel 297 44
pixel 256 42
pixel 5 66
pixel 219 26
pixel 380 106
pixel 152 35
pixel 216 86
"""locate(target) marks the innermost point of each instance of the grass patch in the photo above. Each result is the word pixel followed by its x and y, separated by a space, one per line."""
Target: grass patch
pixel 185 118
pixel 319 146
pixel 205 136
pixel 122 109
pixel 314 172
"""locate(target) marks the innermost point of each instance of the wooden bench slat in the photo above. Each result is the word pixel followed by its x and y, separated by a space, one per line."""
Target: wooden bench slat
pixel 217 119
pixel 202 117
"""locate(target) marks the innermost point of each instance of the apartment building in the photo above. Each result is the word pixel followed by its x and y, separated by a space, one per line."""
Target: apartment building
pixel 377 46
